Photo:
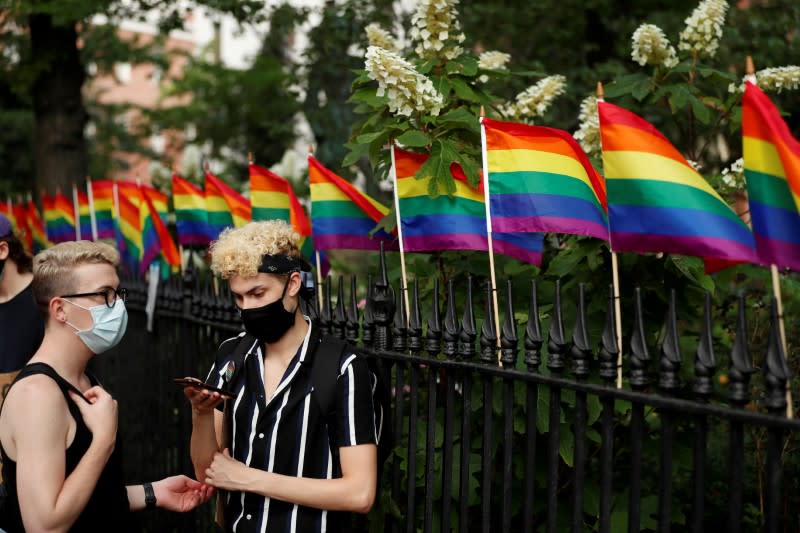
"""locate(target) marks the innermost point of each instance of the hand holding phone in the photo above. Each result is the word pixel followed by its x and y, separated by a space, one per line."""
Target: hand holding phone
pixel 197 384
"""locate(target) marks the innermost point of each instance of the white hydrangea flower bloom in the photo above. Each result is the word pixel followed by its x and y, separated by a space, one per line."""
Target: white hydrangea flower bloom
pixel 493 60
pixel 773 79
pixel 588 134
pixel 535 100
pixel 733 176
pixel 377 36
pixel 704 28
pixel 436 29
pixel 651 47
pixel 406 89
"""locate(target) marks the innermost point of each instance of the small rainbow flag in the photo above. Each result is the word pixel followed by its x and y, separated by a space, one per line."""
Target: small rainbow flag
pixel 59 218
pixel 84 215
pixel 455 222
pixel 129 234
pixel 657 202
pixel 36 225
pixel 540 180
pixel 156 239
pixel 269 194
pixel 343 217
pixel 102 201
pixel 772 172
pixel 191 217
pixel 225 206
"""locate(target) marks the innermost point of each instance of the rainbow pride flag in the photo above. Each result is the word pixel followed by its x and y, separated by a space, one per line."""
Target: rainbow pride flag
pixel 102 201
pixel 342 217
pixel 36 226
pixel 129 231
pixel 156 240
pixel 191 217
pixel 20 219
pixel 540 180
pixel 772 172
pixel 225 206
pixel 657 202
pixel 59 218
pixel 270 194
pixel 455 222
pixel 84 215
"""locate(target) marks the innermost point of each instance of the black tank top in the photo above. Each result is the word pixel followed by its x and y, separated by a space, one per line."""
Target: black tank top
pixel 108 508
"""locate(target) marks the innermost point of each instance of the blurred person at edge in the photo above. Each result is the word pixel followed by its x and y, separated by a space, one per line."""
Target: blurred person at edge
pixel 21 324
pixel 62 462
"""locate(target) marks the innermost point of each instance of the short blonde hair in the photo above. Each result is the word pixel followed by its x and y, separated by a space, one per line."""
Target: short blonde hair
pixel 53 268
pixel 238 252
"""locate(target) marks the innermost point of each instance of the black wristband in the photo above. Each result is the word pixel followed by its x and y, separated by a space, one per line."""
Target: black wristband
pixel 149 496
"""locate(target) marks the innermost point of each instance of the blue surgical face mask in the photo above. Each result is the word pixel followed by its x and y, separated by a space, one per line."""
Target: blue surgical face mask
pixel 108 326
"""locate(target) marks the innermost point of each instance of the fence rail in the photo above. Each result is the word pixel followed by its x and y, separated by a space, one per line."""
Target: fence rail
pixel 511 445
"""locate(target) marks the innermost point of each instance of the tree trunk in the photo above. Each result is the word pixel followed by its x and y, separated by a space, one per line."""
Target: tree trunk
pixel 60 149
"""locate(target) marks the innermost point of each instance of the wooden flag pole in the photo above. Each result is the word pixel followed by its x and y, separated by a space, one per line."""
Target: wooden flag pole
pixel 614 279
pixel 399 222
pixel 750 72
pixel 92 214
pixel 489 242
pixel 76 207
pixel 316 254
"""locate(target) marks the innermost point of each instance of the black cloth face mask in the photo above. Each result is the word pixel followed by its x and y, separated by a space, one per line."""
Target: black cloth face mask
pixel 270 322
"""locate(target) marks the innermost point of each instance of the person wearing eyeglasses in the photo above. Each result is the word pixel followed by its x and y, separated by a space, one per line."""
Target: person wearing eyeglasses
pixel 21 325
pixel 62 465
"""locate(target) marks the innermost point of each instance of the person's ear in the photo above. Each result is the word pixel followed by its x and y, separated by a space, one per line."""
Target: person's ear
pixel 295 282
pixel 4 251
pixel 58 309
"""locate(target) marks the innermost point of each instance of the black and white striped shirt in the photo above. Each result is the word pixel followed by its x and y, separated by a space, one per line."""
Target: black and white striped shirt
pixel 288 434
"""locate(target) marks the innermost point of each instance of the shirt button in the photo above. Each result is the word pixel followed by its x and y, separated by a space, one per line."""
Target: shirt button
pixel 260 435
pixel 249 516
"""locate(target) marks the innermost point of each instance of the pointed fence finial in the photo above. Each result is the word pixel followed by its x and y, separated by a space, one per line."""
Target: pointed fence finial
pixel 581 349
pixel 741 366
pixel 509 342
pixel 400 325
pixel 466 345
pixel 368 329
pixel 326 313
pixel 533 333
pixel 383 306
pixel 351 327
pixel 705 362
pixel 415 323
pixel 670 363
pixel 776 371
pixel 556 341
pixel 488 339
pixel 640 356
pixel 609 351
pixel 339 315
pixel 433 338
pixel 451 326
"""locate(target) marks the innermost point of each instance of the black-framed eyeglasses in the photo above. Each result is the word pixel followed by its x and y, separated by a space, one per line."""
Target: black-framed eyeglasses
pixel 110 294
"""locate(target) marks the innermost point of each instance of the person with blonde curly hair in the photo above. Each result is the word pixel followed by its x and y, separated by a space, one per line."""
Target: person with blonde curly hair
pixel 281 464
pixel 62 465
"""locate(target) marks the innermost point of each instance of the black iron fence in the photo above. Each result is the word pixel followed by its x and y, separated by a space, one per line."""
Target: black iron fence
pixel 532 442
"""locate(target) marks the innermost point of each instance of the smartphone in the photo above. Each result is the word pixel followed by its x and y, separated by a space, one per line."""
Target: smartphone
pixel 196 383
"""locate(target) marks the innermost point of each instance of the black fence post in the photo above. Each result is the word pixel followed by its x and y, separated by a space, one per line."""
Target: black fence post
pixel 339 321
pixel 609 352
pixel 533 358
pixel 668 382
pixel 705 365
pixel 509 353
pixel 639 360
pixel 556 348
pixel 581 364
pixel 351 326
pixel 415 348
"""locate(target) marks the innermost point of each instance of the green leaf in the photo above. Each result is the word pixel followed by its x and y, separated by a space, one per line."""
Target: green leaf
pixel 357 151
pixel 367 138
pixel 624 84
pixel 414 138
pixel 460 117
pixel 464 91
pixel 470 168
pixel 680 95
pixel 642 88
pixel 426 66
pixel 702 112
pixel 368 96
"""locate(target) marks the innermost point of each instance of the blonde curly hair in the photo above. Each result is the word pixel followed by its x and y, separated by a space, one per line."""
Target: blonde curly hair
pixel 238 252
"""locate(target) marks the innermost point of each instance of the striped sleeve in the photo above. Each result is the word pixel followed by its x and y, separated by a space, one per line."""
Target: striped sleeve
pixel 356 414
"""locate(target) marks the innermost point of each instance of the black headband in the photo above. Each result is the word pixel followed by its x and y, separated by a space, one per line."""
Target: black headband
pixel 283 264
